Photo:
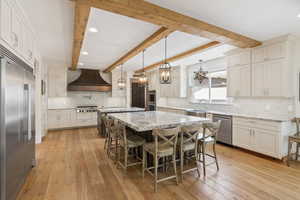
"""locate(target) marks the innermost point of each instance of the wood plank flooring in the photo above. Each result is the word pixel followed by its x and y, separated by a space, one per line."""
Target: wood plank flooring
pixel 72 165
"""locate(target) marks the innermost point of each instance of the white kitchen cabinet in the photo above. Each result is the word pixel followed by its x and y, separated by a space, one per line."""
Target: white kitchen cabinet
pixel 16 34
pixel 265 141
pixel 16 30
pixel 153 80
pixel 270 52
pixel 69 118
pixel 269 79
pixel 239 83
pixel 28 44
pixel 262 136
pixel 6 21
pixel 243 137
pixel 178 86
pixel 240 58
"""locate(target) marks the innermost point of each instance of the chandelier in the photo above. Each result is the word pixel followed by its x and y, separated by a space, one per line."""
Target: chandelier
pixel 165 69
pixel 121 81
pixel 200 75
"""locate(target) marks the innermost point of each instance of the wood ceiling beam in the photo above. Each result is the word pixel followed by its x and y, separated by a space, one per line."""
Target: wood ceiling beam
pixel 82 11
pixel 155 37
pixel 143 10
pixel 181 55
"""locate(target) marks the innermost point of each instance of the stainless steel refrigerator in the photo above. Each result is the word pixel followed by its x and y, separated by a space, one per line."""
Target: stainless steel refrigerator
pixel 17 134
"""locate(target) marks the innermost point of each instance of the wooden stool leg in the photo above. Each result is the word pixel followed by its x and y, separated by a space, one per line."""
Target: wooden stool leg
pixel 215 155
pixel 203 158
pixel 174 165
pixel 155 172
pixel 289 153
pixel 297 151
pixel 181 162
pixel 196 161
pixel 144 163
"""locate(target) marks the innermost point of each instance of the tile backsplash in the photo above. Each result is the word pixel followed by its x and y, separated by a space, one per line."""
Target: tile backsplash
pixel 248 106
pixel 74 99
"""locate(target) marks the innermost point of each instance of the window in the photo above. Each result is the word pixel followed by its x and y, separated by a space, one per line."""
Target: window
pixel 214 89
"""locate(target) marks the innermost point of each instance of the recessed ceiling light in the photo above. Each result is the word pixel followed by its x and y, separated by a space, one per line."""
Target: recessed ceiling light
pixel 80 64
pixel 93 30
pixel 84 53
pixel 298 15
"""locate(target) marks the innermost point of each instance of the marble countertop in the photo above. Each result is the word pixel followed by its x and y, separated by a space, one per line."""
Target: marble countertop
pixel 120 109
pixel 260 116
pixel 146 121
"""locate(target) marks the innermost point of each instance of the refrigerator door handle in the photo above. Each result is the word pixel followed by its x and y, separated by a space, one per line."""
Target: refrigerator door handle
pixel 27 88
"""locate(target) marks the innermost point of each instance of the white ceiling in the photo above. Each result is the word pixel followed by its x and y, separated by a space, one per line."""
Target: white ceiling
pixel 121 34
pixel 258 19
pixel 53 21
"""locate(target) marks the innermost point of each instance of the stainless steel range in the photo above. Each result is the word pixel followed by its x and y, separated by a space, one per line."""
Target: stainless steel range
pixel 87 108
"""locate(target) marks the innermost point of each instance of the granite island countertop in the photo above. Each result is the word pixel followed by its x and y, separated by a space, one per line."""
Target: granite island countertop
pixel 146 121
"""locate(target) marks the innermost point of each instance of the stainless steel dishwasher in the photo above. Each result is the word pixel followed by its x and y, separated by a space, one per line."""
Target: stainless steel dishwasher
pixel 225 133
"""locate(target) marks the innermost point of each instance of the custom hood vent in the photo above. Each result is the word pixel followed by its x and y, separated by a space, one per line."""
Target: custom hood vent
pixel 89 80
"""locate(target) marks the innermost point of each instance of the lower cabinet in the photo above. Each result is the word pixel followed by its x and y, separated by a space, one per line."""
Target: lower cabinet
pixel 69 118
pixel 262 136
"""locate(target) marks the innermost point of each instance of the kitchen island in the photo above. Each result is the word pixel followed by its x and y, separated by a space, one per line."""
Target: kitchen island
pixel 107 110
pixel 147 121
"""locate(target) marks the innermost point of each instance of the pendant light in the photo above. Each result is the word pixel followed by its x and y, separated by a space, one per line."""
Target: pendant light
pixel 201 75
pixel 165 69
pixel 143 78
pixel 121 81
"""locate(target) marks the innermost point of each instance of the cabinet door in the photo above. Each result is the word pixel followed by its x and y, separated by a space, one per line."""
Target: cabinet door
pixel 233 87
pixel 233 60
pixel 273 78
pixel 258 87
pixel 265 142
pixel 28 44
pixel 258 55
pixel 16 30
pixel 245 58
pixel 276 51
pixel 242 137
pixel 245 82
pixel 6 21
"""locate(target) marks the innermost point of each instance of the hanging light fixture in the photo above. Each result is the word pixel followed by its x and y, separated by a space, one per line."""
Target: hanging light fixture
pixel 200 75
pixel 121 81
pixel 142 77
pixel 165 69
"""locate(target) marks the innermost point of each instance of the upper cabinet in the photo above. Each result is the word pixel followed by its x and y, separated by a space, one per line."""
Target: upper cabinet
pixel 178 86
pixel 264 71
pixel 239 74
pixel 270 52
pixel 16 34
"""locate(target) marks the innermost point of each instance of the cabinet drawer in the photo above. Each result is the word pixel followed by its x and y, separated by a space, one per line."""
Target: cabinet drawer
pixel 272 126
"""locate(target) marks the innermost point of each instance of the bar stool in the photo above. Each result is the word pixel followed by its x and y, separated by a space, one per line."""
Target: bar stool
pixel 164 145
pixel 112 136
pixel 208 138
pixel 294 139
pixel 128 142
pixel 189 142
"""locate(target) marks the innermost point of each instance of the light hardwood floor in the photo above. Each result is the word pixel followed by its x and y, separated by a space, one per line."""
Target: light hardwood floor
pixel 72 165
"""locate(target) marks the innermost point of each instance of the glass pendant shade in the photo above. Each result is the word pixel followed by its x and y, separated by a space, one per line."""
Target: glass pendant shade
pixel 121 82
pixel 165 69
